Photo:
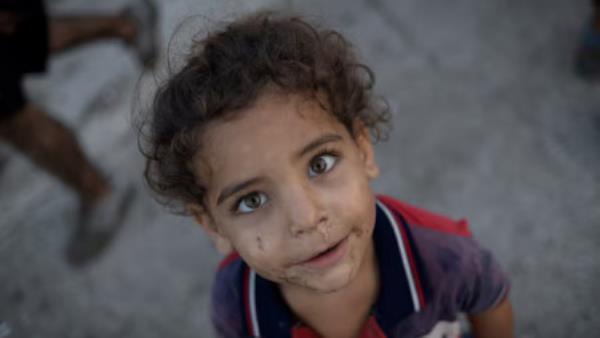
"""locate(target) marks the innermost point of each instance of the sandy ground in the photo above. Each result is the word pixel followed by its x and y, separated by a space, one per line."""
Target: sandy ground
pixel 490 123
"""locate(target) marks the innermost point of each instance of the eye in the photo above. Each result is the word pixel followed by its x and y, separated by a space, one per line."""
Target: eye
pixel 251 202
pixel 321 164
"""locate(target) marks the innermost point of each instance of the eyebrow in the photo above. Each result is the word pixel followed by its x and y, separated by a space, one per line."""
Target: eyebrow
pixel 319 141
pixel 234 188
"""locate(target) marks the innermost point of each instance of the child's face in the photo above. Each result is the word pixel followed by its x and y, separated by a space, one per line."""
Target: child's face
pixel 285 182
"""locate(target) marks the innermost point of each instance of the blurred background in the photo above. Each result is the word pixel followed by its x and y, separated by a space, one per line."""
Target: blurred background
pixel 490 123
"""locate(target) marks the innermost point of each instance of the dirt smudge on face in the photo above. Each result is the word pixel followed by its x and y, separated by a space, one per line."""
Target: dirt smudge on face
pixel 324 231
pixel 259 243
pixel 359 232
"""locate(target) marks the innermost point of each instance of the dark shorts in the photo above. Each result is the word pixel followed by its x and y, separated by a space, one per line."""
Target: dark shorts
pixel 23 50
pixel 12 98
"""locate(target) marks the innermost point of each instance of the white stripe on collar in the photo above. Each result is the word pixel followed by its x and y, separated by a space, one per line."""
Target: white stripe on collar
pixel 253 312
pixel 404 255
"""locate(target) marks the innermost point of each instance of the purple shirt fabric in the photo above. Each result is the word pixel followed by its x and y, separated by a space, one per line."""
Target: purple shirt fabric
pixel 462 278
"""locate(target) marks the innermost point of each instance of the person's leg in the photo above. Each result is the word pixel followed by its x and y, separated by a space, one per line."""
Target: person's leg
pixel 55 149
pixel 70 31
pixel 136 26
pixel 52 146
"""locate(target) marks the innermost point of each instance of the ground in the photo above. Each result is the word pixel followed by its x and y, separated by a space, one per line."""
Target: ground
pixel 489 123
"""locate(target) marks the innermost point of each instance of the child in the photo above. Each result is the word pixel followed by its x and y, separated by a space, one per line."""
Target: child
pixel 264 136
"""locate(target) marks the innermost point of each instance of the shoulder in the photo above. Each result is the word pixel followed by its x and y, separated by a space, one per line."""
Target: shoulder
pixel 442 245
pixel 418 217
pixel 227 311
pixel 457 268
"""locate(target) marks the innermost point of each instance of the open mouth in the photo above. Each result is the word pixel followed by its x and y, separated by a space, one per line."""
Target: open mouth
pixel 329 256
pixel 329 250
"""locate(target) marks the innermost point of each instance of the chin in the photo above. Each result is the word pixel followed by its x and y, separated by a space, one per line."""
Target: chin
pixel 333 281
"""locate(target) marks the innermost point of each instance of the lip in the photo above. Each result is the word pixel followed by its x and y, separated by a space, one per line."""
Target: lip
pixel 328 257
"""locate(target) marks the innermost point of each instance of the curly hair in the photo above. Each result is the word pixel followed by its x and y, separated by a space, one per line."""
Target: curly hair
pixel 227 71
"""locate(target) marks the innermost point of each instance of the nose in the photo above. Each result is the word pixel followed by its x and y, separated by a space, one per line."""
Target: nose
pixel 306 211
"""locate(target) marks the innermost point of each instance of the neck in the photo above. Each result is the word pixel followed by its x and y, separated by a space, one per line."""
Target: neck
pixel 354 300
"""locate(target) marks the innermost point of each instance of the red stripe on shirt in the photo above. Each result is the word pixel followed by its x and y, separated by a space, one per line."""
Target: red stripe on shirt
pixel 427 219
pixel 227 260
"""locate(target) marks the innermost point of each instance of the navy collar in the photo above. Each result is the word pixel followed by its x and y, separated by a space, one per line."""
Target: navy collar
pixel 400 294
pixel 400 291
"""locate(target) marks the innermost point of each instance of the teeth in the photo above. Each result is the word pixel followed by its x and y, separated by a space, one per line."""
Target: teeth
pixel 326 251
pixel 329 250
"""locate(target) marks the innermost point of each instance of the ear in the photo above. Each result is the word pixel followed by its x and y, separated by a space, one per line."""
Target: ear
pixel 207 223
pixel 365 147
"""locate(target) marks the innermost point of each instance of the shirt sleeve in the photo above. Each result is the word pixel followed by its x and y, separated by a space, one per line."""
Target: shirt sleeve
pixel 483 284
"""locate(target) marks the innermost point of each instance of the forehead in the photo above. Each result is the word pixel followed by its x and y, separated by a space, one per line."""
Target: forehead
pixel 274 127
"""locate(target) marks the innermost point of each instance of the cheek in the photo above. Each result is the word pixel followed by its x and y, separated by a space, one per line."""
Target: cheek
pixel 253 247
pixel 259 243
pixel 260 250
pixel 357 206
